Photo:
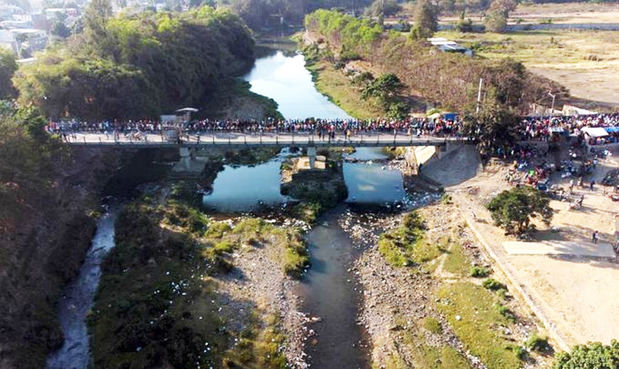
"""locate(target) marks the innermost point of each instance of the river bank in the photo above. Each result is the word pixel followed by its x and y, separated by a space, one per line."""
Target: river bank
pixel 44 251
pixel 426 314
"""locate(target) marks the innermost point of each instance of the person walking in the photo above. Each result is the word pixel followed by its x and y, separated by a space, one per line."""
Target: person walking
pixel 594 237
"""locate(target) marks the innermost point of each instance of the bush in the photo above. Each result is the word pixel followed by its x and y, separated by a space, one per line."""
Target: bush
pixel 506 313
pixel 479 272
pixel 521 352
pixel 493 285
pixel 432 325
pixel 590 356
pixel 464 25
pixel 537 343
pixel 496 21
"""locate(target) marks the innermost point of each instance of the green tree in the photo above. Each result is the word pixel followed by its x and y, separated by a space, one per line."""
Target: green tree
pixel 514 209
pixel 589 356
pixel 61 30
pixel 495 21
pixel 386 8
pixel 95 17
pixel 464 25
pixel 493 126
pixel 8 66
pixel 425 18
pixel 384 88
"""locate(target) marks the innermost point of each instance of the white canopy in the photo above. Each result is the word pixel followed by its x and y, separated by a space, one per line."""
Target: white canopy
pixel 595 131
pixel 185 110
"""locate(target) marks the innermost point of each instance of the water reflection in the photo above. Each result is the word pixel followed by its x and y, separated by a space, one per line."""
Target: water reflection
pixel 244 188
pixel 285 80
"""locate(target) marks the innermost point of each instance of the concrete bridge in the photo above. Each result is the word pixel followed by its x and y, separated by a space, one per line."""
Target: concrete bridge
pixel 189 144
pixel 240 140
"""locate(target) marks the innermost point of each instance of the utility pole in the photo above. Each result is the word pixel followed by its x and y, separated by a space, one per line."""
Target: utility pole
pixel 479 96
pixel 552 107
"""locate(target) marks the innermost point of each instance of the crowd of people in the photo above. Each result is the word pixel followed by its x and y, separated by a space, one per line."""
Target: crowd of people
pixel 549 128
pixel 530 128
pixel 412 126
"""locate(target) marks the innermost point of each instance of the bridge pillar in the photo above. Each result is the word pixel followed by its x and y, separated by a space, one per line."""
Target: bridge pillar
pixel 185 154
pixel 411 160
pixel 311 154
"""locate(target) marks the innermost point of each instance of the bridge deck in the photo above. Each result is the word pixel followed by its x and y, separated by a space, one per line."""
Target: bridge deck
pixel 252 140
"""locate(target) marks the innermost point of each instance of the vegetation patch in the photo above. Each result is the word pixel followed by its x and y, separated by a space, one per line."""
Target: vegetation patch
pixel 338 87
pixel 456 261
pixel 426 355
pixel 590 356
pixel 432 325
pixel 493 285
pixel 538 343
pixel 398 245
pixel 472 313
pixel 158 305
pixel 479 272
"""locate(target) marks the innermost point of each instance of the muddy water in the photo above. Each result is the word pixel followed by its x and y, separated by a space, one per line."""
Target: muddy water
pixel 328 293
pixel 79 298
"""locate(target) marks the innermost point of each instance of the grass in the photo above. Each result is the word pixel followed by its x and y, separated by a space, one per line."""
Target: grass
pixel 556 48
pixel 424 354
pixel 399 245
pixel 333 83
pixel 456 261
pixel 477 326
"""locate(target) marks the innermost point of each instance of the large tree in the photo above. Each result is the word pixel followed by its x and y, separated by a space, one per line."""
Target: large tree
pixel 514 209
pixel 426 22
pixel 8 66
pixel 492 126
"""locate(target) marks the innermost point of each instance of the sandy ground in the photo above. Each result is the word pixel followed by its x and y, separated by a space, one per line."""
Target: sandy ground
pixel 599 85
pixel 560 13
pixel 575 296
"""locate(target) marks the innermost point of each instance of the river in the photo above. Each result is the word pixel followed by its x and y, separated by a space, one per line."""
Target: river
pixel 327 290
pixel 79 296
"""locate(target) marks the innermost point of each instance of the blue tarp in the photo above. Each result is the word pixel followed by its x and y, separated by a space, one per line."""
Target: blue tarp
pixel 612 129
pixel 450 116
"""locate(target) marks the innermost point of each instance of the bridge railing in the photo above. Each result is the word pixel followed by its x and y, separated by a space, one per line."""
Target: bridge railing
pixel 271 139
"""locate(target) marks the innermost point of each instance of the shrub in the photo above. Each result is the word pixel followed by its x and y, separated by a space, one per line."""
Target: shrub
pixel 432 325
pixel 464 25
pixel 537 343
pixel 506 313
pixel 493 285
pixel 521 352
pixel 479 272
